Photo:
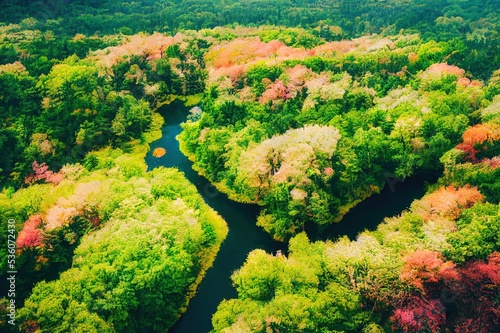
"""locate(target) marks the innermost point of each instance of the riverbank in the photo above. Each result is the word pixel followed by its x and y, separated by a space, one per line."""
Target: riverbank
pixel 244 235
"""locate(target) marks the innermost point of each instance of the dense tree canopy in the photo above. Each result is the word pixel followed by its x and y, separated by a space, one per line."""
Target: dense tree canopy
pixel 391 112
pixel 135 242
pixel 305 108
pixel 415 273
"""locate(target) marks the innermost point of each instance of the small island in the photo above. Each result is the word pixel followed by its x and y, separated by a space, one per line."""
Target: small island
pixel 159 152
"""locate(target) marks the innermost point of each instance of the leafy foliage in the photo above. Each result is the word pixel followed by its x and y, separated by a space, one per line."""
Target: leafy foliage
pixel 56 115
pixel 384 128
pixel 125 270
pixel 279 293
pixel 301 120
pixel 400 277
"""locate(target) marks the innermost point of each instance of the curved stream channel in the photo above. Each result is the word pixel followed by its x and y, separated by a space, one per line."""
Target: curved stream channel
pixel 244 236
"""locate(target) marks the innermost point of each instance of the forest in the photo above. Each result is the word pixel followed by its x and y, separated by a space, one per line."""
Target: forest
pixel 301 109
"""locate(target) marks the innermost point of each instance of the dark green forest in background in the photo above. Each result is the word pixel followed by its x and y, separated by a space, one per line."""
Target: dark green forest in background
pixel 305 108
pixel 475 23
pixel 58 30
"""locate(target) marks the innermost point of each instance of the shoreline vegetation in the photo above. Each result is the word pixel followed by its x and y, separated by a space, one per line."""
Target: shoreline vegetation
pixel 347 121
pixel 90 217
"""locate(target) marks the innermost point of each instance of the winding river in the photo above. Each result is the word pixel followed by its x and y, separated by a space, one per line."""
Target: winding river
pixel 244 236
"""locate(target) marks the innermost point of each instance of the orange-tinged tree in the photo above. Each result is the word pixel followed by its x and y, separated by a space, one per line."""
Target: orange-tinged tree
pixel 447 202
pixel 425 267
pixel 478 138
pixel 422 309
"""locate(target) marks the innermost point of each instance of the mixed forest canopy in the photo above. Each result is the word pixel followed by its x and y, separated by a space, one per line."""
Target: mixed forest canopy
pixel 307 134
pixel 354 16
pixel 305 108
pixel 474 23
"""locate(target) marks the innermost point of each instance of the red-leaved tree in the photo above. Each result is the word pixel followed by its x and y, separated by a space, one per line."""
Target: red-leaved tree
pixel 30 236
pixel 417 314
pixel 424 268
pixel 421 309
pixel 477 298
pixel 445 298
pixel 42 172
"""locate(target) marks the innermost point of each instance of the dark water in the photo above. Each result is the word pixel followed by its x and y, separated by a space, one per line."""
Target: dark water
pixel 367 215
pixel 244 236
